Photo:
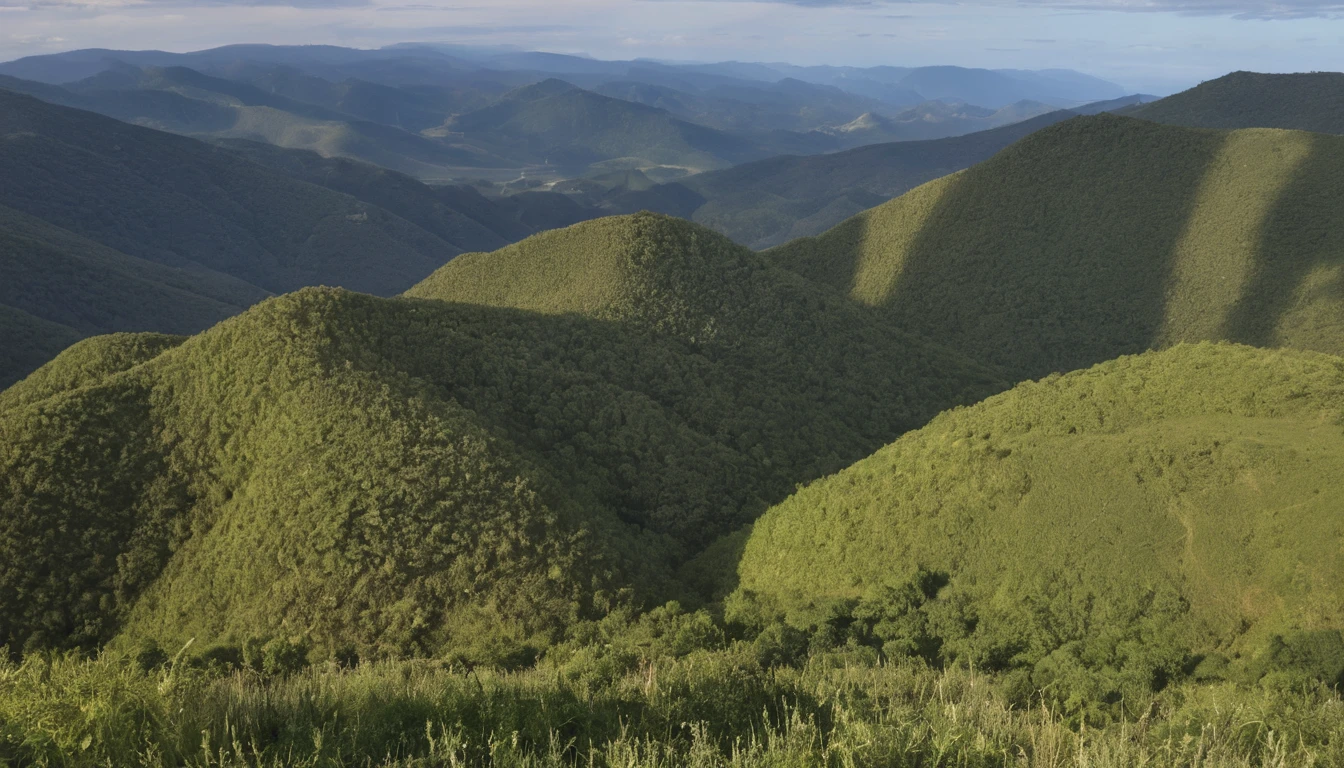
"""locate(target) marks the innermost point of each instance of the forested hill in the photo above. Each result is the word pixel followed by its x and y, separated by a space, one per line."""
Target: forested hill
pixel 772 201
pixel 110 227
pixel 1093 535
pixel 1102 236
pixel 1305 102
pixel 418 474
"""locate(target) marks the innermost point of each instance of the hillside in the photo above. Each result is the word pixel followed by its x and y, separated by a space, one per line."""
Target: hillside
pixel 555 123
pixel 1302 102
pixel 185 101
pixel 29 342
pixel 769 202
pixel 415 475
pixel 1127 521
pixel 180 202
pixel 83 288
pixel 1103 236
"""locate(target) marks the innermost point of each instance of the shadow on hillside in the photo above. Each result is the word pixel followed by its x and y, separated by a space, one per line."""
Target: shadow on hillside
pixel 1300 260
pixel 1130 237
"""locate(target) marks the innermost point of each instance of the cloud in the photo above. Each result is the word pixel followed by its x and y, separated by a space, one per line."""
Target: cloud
pixel 1237 9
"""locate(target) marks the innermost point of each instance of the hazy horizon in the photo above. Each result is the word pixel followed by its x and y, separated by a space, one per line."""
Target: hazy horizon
pixel 1156 46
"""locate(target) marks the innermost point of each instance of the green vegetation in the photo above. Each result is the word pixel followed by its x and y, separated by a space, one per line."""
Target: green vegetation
pixel 1103 236
pixel 1304 102
pixel 418 476
pixel 555 122
pixel 53 275
pixel 644 700
pixel 29 342
pixel 1092 536
pixel 180 202
pixel 772 201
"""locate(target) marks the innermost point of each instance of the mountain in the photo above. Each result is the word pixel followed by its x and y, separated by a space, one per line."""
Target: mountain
pixel 183 203
pixel 29 342
pixel 555 123
pixel 111 227
pixel 769 202
pixel 84 288
pixel 1303 102
pixel 932 120
pixel 1106 235
pixel 535 436
pixel 1096 533
pixel 185 101
pixel 789 104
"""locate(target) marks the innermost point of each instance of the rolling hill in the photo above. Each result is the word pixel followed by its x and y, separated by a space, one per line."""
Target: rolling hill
pixel 1101 532
pixel 417 475
pixel 772 201
pixel 556 123
pixel 110 227
pixel 1303 102
pixel 1103 236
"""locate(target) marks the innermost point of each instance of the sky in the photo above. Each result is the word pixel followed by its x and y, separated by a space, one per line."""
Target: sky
pixel 1153 46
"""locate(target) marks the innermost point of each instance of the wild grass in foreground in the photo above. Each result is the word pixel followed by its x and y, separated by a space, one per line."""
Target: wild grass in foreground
pixel 719 708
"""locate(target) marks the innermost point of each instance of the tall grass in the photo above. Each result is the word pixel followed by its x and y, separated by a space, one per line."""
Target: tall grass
pixel 707 709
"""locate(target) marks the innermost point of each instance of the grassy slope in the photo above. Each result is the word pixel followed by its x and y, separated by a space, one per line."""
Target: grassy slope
pixel 1304 102
pixel 1102 236
pixel 180 202
pixel 412 475
pixel 1189 494
pixel 772 201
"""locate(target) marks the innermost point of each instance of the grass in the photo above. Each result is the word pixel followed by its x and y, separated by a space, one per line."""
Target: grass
pixel 705 710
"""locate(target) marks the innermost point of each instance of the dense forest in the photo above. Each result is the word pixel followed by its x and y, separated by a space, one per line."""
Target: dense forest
pixel 1033 465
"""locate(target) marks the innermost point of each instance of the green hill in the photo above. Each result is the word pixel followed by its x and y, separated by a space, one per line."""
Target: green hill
pixel 1103 236
pixel 412 475
pixel 180 202
pixel 1131 518
pixel 29 342
pixel 769 202
pixel 1304 102
pixel 85 288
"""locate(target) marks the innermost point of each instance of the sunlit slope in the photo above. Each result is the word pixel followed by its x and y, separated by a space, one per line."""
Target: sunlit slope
pixel 412 476
pixel 284 473
pixel 1185 499
pixel 1104 236
pixel 1312 101
pixel 813 378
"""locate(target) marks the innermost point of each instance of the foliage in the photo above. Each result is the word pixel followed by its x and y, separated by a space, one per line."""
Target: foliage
pixel 705 709
pixel 409 476
pixel 1308 101
pixel 1099 532
pixel 29 342
pixel 180 202
pixel 1103 236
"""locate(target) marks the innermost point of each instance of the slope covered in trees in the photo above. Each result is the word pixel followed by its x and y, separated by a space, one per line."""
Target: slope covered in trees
pixel 84 288
pixel 1103 236
pixel 769 202
pixel 418 475
pixel 1304 102
pixel 176 201
pixel 1100 532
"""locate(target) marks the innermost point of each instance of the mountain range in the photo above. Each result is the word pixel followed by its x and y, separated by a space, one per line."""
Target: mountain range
pixel 820 442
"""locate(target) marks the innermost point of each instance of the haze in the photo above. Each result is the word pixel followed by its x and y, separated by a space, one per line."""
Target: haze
pixel 1157 46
